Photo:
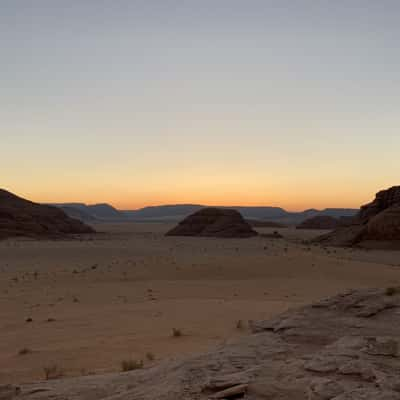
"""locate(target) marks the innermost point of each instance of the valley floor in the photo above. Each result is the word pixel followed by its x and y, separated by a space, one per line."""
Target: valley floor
pixel 118 295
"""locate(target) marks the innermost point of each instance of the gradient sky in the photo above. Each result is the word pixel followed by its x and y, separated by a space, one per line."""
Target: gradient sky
pixel 289 103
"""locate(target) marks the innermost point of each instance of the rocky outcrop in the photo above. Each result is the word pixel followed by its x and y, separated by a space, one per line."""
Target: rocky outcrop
pixel 383 200
pixel 342 348
pixel 377 222
pixel 320 222
pixel 385 225
pixel 20 217
pixel 214 222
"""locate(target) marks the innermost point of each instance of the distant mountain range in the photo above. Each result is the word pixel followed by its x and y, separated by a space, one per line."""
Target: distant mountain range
pixel 91 213
pixel 173 213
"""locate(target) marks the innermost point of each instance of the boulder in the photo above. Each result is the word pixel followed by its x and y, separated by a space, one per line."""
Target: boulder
pixel 214 222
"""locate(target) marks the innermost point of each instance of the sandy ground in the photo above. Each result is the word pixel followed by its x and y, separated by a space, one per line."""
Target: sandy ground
pixel 97 301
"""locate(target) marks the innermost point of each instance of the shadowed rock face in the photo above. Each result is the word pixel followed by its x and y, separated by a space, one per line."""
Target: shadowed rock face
pixel 342 348
pixel 19 217
pixel 385 225
pixel 378 221
pixel 320 222
pixel 383 200
pixel 214 222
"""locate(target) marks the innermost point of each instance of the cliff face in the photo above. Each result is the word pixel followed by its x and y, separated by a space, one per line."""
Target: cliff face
pixel 385 225
pixel 20 217
pixel 378 221
pixel 383 200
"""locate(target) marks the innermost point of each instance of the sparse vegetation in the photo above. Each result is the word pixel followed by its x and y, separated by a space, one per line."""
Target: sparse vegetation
pixel 392 290
pixel 131 365
pixel 239 324
pixel 176 332
pixel 24 351
pixel 150 356
pixel 52 371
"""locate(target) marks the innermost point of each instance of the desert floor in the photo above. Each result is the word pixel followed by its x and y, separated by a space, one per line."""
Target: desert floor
pixel 117 295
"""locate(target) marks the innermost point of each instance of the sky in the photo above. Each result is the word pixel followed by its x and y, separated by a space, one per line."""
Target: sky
pixel 235 102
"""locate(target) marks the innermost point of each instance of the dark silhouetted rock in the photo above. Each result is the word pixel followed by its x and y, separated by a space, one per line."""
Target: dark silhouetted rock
pixel 376 223
pixel 320 222
pixel 383 200
pixel 214 222
pixel 19 217
pixel 385 225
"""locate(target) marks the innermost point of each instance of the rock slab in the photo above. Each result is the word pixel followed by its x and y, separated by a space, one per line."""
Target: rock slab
pixel 341 348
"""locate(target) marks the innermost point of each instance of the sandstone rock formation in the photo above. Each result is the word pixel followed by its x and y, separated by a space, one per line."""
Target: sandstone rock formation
pixel 342 348
pixel 385 225
pixel 320 222
pixel 19 217
pixel 214 222
pixel 383 200
pixel 376 223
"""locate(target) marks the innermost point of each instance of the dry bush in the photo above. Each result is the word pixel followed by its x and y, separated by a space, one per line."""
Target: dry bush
pixel 150 356
pixel 391 291
pixel 52 371
pixel 239 324
pixel 176 332
pixel 24 351
pixel 131 365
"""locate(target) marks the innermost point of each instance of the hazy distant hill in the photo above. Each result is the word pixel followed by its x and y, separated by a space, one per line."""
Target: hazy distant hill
pixel 101 212
pixel 105 211
pixel 299 217
pixel 176 212
pixel 167 212
pixel 78 213
pixel 180 211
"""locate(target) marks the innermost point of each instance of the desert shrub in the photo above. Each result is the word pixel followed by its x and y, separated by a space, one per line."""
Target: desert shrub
pixel 130 365
pixel 24 351
pixel 176 332
pixel 52 371
pixel 150 356
pixel 239 324
pixel 391 291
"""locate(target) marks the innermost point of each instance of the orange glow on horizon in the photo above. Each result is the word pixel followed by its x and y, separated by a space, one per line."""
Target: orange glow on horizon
pixel 213 192
pixel 138 201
